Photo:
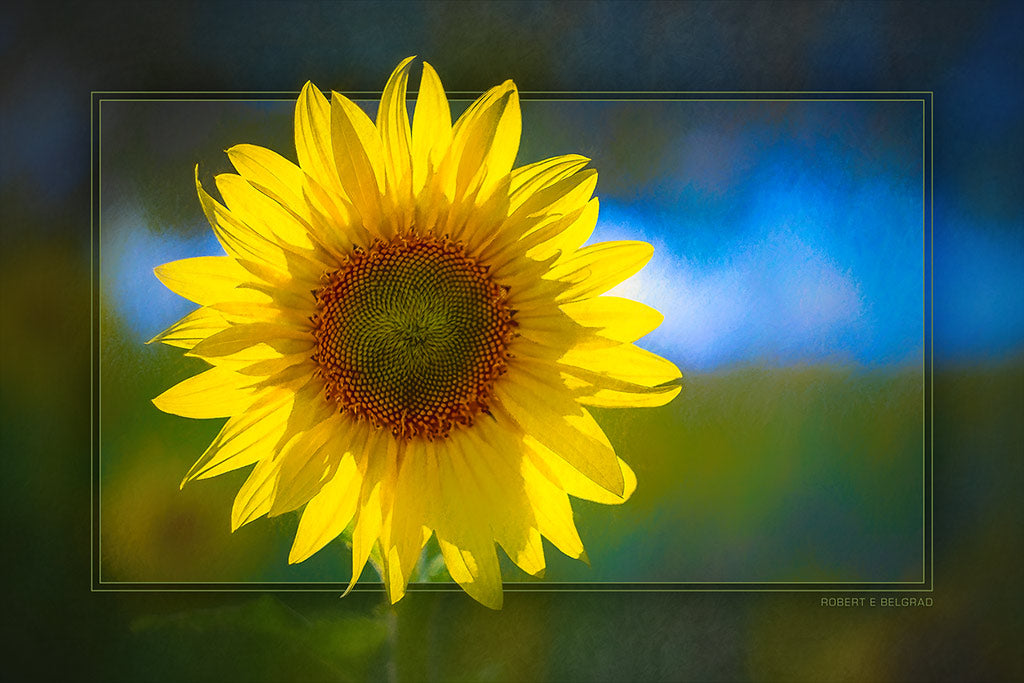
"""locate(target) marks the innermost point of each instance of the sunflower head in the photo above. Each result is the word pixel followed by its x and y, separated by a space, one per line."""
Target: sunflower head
pixel 405 333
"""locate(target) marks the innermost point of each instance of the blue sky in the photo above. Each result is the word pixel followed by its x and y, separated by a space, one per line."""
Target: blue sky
pixel 785 233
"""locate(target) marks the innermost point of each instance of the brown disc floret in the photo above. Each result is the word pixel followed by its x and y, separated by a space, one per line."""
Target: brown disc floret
pixel 411 334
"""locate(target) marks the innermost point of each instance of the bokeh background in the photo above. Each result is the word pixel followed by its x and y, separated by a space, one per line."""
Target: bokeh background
pixel 788 266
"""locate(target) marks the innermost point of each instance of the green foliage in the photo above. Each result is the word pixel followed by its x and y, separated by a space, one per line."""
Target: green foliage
pixel 257 639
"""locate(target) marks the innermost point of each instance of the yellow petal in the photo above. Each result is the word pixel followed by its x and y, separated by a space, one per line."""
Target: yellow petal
pixel 492 462
pixel 309 407
pixel 485 141
pixel 334 220
pixel 206 279
pixel 591 390
pixel 380 447
pixel 595 269
pixel 281 339
pixel 539 404
pixel 528 351
pixel 272 366
pixel 474 566
pixel 563 197
pixel 296 282
pixel 304 464
pixel 266 215
pixel 508 248
pixel 570 480
pixel 573 237
pixel 328 513
pixel 620 319
pixel 296 268
pixel 244 439
pixel 393 127
pixel 240 312
pixel 256 495
pixel 527 180
pixel 289 296
pixel 431 128
pixel 238 239
pixel 365 533
pixel 473 220
pixel 271 174
pixel 626 362
pixel 192 329
pixel 214 393
pixel 359 158
pixel 403 534
pixel 293 295
pixel 462 520
pixel 527 551
pixel 530 290
pixel 552 510
pixel 550 328
pixel 313 137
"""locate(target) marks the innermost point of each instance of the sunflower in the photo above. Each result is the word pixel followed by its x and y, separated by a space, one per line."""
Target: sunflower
pixel 405 334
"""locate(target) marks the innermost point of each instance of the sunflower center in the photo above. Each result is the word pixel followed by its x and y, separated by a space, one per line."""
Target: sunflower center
pixel 411 334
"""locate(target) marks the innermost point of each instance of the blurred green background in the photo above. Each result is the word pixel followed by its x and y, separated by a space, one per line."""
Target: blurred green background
pixel 790 444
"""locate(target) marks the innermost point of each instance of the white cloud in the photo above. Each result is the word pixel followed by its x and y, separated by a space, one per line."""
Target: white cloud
pixel 776 297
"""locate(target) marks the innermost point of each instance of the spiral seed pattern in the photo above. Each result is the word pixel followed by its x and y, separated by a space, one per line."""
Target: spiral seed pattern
pixel 411 334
